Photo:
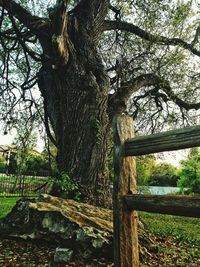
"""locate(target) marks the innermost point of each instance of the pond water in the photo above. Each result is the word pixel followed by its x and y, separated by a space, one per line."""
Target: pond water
pixel 158 190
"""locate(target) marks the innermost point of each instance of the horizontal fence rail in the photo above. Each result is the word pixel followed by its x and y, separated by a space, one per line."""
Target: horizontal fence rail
pixel 171 205
pixel 126 201
pixel 23 185
pixel 166 141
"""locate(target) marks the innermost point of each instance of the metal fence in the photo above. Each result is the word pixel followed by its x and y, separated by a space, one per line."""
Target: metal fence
pixel 23 185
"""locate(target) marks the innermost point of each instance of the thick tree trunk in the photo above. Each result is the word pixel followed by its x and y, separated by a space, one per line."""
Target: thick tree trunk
pixel 75 86
pixel 76 99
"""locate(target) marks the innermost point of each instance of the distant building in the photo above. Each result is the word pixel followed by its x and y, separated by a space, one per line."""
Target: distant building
pixel 3 149
pixel 9 153
pixel 10 156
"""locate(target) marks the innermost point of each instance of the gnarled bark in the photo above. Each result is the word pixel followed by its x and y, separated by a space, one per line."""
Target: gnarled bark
pixel 76 99
pixel 75 91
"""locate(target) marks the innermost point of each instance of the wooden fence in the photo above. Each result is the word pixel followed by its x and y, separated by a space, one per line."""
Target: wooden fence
pixel 126 201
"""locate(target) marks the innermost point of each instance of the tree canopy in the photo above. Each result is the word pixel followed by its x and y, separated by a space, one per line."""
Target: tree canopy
pixel 149 49
pixel 164 174
pixel 76 64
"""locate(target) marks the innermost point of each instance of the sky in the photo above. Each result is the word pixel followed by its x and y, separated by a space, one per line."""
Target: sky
pixel 8 139
pixel 171 157
pixel 174 157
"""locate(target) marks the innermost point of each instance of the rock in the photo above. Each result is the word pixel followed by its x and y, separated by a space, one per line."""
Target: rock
pixel 63 255
pixel 79 227
pixel 83 229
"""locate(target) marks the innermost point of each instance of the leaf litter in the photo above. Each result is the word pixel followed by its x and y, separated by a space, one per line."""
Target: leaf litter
pixel 170 252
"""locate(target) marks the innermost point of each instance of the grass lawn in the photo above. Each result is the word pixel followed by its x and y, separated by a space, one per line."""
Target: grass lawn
pixel 182 228
pixel 6 205
pixel 178 237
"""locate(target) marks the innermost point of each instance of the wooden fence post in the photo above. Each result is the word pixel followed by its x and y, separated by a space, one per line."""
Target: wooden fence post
pixel 125 221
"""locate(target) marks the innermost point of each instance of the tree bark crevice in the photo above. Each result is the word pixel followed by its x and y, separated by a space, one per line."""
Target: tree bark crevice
pixel 77 108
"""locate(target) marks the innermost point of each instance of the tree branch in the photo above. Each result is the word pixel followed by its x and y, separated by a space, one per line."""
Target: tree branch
pixel 116 11
pixel 60 17
pixel 128 88
pixel 26 49
pixel 34 23
pixel 161 40
pixel 118 101
pixel 181 103
pixel 196 37
pixel 46 124
pixel 60 39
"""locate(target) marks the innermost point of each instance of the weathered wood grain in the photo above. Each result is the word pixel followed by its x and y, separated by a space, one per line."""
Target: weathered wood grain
pixel 125 221
pixel 166 141
pixel 173 205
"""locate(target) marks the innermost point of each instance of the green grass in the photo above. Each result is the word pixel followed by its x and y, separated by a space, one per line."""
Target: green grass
pixel 6 205
pixel 183 228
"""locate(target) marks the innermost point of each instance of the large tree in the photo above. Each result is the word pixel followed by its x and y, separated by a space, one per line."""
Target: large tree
pixel 88 57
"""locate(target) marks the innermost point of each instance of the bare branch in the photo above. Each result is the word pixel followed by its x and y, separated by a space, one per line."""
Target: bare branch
pixel 196 37
pixel 118 100
pixel 58 15
pixel 161 40
pixel 181 103
pixel 116 11
pixel 26 49
pixel 34 23
pixel 60 39
pixel 46 124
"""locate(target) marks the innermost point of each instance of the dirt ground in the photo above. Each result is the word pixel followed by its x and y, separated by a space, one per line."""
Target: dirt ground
pixel 21 253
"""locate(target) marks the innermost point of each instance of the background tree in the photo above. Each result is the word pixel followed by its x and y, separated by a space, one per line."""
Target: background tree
pixel 88 58
pixel 163 174
pixel 190 172
pixel 3 164
pixel 36 164
pixel 24 143
pixel 49 155
pixel 144 168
